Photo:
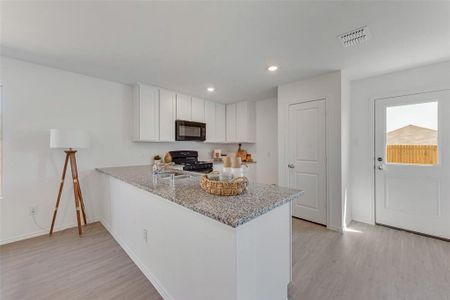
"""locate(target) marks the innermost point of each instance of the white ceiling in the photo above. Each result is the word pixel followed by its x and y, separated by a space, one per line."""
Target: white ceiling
pixel 187 46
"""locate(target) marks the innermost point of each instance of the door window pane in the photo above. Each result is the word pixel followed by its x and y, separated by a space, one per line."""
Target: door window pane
pixel 412 134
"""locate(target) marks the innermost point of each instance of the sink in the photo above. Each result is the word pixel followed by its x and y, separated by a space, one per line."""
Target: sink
pixel 170 175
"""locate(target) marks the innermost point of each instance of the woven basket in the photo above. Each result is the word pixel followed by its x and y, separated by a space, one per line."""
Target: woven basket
pixel 222 188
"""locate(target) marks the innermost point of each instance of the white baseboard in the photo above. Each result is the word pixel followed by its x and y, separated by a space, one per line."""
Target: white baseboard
pixel 364 221
pixel 334 228
pixel 40 232
pixel 155 282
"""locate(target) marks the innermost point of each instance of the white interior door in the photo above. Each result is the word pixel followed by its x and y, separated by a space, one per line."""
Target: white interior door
pixel 412 167
pixel 307 159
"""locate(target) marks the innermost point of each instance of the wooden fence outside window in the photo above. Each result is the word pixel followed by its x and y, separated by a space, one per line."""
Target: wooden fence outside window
pixel 412 154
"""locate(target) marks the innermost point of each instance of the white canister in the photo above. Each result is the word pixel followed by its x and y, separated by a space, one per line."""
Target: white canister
pixel 237 172
pixel 227 171
pixel 226 174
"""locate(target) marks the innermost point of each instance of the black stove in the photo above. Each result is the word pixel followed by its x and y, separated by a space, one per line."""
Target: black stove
pixel 190 162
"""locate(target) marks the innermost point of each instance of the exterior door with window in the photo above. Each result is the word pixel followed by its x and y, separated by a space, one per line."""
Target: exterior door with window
pixel 412 167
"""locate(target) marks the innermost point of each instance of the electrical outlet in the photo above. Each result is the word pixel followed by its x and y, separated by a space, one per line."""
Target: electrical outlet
pixel 145 235
pixel 33 210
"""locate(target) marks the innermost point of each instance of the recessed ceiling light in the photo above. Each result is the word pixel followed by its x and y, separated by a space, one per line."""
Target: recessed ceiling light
pixel 272 68
pixel 211 89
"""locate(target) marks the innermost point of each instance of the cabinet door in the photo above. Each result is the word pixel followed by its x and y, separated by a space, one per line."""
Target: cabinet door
pixel 246 122
pixel 183 107
pixel 220 124
pixel 231 122
pixel 147 113
pixel 241 121
pixel 252 122
pixel 167 115
pixel 210 120
pixel 198 110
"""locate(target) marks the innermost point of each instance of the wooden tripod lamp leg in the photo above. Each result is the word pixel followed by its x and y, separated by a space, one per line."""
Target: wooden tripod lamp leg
pixel 76 187
pixel 80 197
pixel 58 199
pixel 83 211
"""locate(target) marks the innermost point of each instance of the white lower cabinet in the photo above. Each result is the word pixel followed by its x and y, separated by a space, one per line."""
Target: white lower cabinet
pixel 188 256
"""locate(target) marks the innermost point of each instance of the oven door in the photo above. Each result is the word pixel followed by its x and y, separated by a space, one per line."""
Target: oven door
pixel 190 131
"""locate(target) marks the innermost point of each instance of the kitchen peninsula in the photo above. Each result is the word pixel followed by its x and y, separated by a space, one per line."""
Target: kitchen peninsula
pixel 193 245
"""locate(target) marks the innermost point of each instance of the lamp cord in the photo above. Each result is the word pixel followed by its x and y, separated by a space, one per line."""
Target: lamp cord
pixel 37 224
pixel 87 229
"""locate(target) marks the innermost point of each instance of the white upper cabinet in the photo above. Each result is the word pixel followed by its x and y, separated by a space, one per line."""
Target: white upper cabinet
pixel 154 114
pixel 220 124
pixel 190 109
pixel 146 113
pixel 167 116
pixel 241 122
pixel 198 110
pixel 215 122
pixel 231 123
pixel 210 120
pixel 184 107
pixel 246 122
pixel 155 111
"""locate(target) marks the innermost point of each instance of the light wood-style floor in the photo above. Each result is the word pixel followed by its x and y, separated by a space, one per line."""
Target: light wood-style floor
pixel 365 263
pixel 368 262
pixel 66 267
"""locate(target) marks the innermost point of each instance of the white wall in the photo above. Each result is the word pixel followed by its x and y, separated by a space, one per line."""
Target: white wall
pixel 345 148
pixel 326 86
pixel 363 93
pixel 37 98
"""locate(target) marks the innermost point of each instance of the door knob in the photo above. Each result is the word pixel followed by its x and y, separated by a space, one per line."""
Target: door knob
pixel 290 166
pixel 380 167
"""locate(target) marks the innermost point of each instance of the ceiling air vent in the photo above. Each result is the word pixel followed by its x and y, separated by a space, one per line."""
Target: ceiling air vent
pixel 355 37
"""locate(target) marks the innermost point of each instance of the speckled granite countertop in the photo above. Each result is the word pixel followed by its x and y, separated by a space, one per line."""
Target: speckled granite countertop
pixel 257 200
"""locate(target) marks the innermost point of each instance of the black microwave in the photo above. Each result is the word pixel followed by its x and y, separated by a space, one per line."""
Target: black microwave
pixel 189 131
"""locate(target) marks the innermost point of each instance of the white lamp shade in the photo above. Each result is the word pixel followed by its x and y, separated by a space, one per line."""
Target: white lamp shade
pixel 71 138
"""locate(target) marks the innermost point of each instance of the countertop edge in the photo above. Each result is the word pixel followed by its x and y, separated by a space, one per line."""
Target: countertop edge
pixel 235 224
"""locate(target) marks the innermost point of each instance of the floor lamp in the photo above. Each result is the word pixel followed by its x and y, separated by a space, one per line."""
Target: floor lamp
pixel 69 140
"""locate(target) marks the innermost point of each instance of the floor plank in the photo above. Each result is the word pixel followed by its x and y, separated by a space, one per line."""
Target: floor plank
pixel 367 262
